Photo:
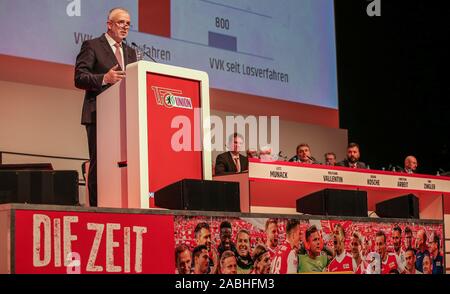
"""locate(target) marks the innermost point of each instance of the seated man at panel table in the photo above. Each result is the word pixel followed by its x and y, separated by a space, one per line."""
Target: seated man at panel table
pixel 330 158
pixel 410 165
pixel 353 156
pixel 232 161
pixel 304 155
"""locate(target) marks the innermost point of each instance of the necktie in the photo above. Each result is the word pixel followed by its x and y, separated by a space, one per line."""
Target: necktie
pixel 118 55
pixel 237 163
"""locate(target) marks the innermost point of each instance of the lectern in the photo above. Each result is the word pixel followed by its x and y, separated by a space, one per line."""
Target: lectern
pixel 153 129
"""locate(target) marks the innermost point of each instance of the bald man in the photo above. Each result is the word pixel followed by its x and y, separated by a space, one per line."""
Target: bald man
pixel 410 164
pixel 100 64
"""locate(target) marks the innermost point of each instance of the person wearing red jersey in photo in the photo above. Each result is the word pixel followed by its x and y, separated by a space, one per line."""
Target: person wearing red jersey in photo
pixel 398 251
pixel 183 260
pixel 272 236
pixel 388 260
pixel 201 260
pixel 261 260
pixel 285 260
pixel 342 262
pixel 356 245
pixel 202 235
pixel 366 247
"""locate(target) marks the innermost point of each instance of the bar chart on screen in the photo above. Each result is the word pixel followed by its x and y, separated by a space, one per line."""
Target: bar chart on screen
pixel 284 50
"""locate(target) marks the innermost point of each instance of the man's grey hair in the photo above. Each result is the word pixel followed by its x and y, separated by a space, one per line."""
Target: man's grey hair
pixel 114 10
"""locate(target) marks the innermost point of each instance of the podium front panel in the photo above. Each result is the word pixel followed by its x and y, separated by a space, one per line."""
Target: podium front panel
pixel 174 130
pixel 153 130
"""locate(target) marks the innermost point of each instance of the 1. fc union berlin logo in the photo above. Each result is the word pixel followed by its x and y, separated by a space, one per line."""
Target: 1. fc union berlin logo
pixel 171 98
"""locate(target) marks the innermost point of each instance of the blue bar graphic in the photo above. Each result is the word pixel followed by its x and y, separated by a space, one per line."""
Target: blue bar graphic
pixel 222 41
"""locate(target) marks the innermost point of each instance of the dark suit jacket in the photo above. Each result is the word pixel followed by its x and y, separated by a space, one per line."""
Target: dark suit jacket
pixel 95 59
pixel 225 164
pixel 346 163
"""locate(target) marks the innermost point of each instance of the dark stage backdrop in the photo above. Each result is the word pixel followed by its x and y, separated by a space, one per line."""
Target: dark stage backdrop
pixel 393 81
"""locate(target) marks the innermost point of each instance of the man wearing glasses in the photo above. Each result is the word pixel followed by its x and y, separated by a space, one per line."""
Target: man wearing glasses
pixel 100 64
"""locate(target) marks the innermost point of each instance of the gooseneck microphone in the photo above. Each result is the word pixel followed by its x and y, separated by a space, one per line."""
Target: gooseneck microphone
pixel 313 160
pixel 282 156
pixel 145 53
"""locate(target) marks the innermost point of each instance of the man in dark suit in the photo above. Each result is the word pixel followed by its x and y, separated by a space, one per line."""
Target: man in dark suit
pixel 232 162
pixel 352 159
pixel 100 64
pixel 303 155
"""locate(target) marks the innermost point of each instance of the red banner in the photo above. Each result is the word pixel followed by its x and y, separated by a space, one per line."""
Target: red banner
pixel 71 242
pixel 109 243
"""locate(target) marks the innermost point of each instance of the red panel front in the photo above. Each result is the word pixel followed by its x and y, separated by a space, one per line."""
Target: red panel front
pixel 168 161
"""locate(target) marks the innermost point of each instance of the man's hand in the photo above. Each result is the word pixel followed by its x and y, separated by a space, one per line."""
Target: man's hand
pixel 113 75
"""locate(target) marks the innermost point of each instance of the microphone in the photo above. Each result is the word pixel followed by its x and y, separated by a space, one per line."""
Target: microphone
pixel 399 168
pixel 280 155
pixel 394 168
pixel 145 53
pixel 311 158
pixel 443 172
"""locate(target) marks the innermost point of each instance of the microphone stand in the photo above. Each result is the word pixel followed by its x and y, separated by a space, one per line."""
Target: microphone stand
pixel 138 49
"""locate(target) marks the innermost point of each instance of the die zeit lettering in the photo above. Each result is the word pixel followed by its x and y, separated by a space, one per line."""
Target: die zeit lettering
pixel 53 239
